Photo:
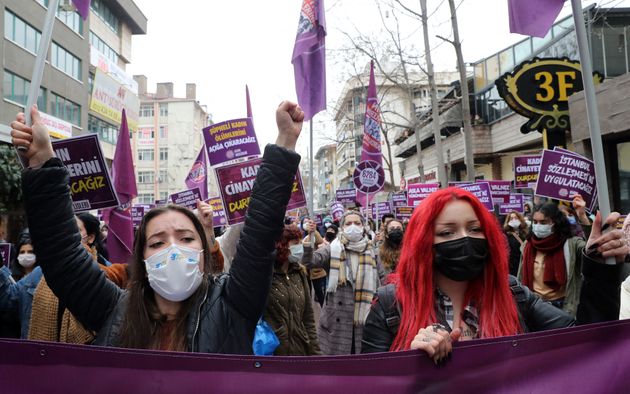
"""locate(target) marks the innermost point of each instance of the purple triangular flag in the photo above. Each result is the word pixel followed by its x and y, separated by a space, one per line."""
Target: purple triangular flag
pixel 533 17
pixel 83 8
pixel 309 58
pixel 198 175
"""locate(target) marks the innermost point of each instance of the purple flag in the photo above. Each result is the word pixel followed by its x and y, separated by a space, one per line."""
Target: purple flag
pixel 198 175
pixel 83 8
pixel 371 149
pixel 120 236
pixel 249 104
pixel 309 58
pixel 533 17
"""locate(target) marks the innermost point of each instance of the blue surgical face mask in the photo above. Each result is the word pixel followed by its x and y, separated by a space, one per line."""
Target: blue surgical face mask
pixel 571 219
pixel 542 230
pixel 297 251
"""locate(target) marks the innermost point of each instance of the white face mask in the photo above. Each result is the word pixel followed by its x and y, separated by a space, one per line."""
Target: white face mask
pixel 174 272
pixel 542 230
pixel 297 251
pixel 26 260
pixel 514 223
pixel 353 233
pixel 327 224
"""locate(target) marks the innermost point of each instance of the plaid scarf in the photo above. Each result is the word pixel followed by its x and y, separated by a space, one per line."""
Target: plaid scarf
pixel 364 280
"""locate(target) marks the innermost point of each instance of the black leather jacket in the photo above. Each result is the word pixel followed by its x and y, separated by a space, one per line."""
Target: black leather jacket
pixel 224 317
pixel 535 314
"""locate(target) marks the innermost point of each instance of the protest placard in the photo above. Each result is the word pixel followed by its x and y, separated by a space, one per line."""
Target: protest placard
pixel 187 198
pixel 298 198
pixel 482 191
pixel 5 252
pixel 380 208
pixel 399 199
pixel 346 196
pixel 90 183
pixel 403 213
pixel 416 192
pixel 336 210
pixel 500 191
pixel 230 140
pixel 526 170
pixel 137 213
pixel 218 213
pixel 515 203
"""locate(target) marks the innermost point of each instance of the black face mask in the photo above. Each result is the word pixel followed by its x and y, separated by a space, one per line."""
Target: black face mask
pixel 330 236
pixel 395 236
pixel 461 259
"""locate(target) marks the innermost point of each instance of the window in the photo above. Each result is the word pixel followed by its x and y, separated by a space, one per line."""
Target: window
pixel 163 154
pixel 105 14
pixel 162 177
pixel 65 109
pixel 145 154
pixel 163 196
pixel 146 111
pixel 146 133
pixel 72 19
pixel 146 198
pixel 16 89
pixel 20 32
pixel 65 61
pixel 145 177
pixel 163 131
pixel 103 48
pixel 106 131
pixel 163 110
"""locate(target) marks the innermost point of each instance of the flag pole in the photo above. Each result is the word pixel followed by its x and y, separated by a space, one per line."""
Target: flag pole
pixel 40 61
pixel 592 113
pixel 310 171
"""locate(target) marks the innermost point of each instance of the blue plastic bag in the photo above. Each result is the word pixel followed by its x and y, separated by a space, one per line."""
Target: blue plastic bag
pixel 265 339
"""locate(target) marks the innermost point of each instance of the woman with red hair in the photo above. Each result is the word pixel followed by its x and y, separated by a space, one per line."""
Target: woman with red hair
pixel 452 282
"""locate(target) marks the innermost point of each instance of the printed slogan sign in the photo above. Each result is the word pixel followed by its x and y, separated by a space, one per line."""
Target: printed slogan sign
pixel 187 198
pixel 404 213
pixel 515 203
pixel 137 212
pixel 346 196
pixel 5 252
pixel 90 184
pixel 218 213
pixel 416 192
pixel 482 191
pixel 399 199
pixel 336 210
pixel 526 171
pixel 379 209
pixel 500 191
pixel 229 140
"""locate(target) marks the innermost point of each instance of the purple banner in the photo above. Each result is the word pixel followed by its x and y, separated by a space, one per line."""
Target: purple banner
pixel 233 139
pixel 318 219
pixel 416 192
pixel 482 191
pixel 515 203
pixel 399 199
pixel 137 213
pixel 187 198
pixel 218 213
pixel 346 196
pixel 526 170
pixel 90 184
pixel 383 208
pixel 161 203
pixel 5 252
pixel 298 199
pixel 337 210
pixel 403 213
pixel 563 175
pixel 500 191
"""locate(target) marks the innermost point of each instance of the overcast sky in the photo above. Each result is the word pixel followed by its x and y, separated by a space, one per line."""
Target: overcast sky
pixel 223 45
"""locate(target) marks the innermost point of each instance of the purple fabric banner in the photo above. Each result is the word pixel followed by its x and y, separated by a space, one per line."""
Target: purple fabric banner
pixel 346 196
pixel 563 175
pixel 337 210
pixel 187 198
pixel 83 8
pixel 309 58
pixel 403 213
pixel 198 175
pixel 482 191
pixel 416 192
pixel 533 17
pixel 583 359
pixel 230 140
pixel 90 184
pixel 515 203
pixel 383 208
pixel 526 170
pixel 218 213
pixel 399 199
pixel 5 252
pixel 500 191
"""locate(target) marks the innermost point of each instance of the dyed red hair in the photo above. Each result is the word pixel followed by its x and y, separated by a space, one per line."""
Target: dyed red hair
pixel 290 233
pixel 414 275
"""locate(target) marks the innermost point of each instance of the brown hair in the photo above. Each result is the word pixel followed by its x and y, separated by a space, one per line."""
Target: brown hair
pixel 290 233
pixel 143 324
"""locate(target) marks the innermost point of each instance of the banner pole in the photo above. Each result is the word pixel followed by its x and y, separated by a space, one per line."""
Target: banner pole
pixel 592 113
pixel 310 171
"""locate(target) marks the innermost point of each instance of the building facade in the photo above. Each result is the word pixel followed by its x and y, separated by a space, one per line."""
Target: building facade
pixel 325 176
pixel 168 140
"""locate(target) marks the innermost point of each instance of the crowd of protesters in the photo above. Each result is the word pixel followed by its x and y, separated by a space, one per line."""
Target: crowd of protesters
pixel 453 272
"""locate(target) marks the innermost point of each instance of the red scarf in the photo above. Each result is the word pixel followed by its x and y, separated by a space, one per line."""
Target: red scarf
pixel 555 275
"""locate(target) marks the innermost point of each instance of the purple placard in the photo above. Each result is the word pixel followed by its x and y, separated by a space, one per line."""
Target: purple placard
pixel 346 196
pixel 403 213
pixel 416 192
pixel 5 251
pixel 337 210
pixel 218 213
pixel 383 208
pixel 147 207
pixel 458 183
pixel 137 213
pixel 500 191
pixel 399 199
pixel 160 203
pixel 482 191
pixel 526 170
pixel 187 198
pixel 230 140
pixel 369 177
pixel 90 183
pixel 562 175
pixel 515 204
pixel 298 199
pixel 319 219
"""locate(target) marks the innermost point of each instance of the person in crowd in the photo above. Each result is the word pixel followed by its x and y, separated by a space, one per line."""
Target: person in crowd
pixel 452 281
pixel 171 303
pixel 331 233
pixel 327 221
pixel 389 251
pixel 516 230
pixel 317 276
pixel 289 309
pixel 104 234
pixel 528 208
pixel 26 260
pixel 572 217
pixel 551 263
pixel 92 238
pixel 9 319
pixel 353 278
